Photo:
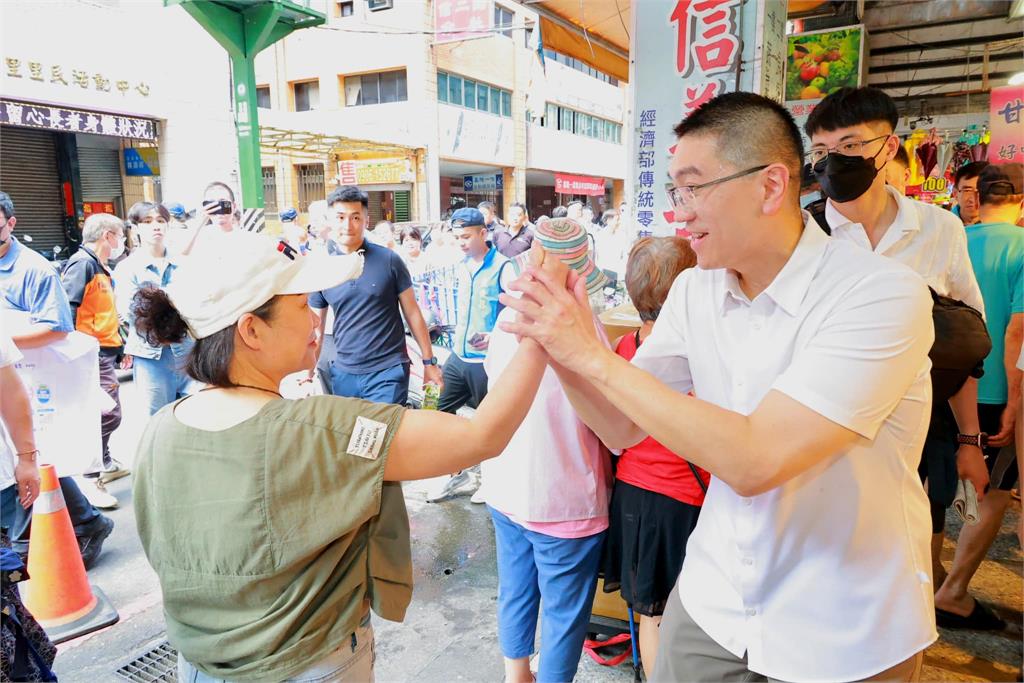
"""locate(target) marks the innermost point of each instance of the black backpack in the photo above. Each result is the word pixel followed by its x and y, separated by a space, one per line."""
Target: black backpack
pixel 961 338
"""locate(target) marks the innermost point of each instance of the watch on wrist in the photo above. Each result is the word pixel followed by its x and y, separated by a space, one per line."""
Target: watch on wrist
pixel 979 440
pixel 429 361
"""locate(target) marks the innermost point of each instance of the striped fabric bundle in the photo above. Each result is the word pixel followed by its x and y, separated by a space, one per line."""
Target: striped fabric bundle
pixel 566 239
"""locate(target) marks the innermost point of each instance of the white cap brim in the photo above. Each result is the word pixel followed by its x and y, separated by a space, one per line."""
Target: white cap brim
pixel 320 272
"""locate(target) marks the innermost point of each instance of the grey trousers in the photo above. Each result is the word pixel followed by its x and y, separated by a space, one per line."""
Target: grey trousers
pixel 686 653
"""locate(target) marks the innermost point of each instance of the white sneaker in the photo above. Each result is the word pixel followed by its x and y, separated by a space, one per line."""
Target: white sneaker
pixel 457 483
pixel 113 471
pixel 95 491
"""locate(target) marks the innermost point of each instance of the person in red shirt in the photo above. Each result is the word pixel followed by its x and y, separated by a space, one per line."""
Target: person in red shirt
pixel 657 494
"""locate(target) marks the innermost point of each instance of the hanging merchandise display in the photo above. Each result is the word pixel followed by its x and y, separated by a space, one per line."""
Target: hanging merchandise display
pixel 910 145
pixel 928 153
pixel 945 156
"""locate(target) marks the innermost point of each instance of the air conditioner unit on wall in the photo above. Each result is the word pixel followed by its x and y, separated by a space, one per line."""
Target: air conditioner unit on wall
pixel 378 5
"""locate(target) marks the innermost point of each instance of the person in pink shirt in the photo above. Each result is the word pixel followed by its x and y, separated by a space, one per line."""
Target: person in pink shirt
pixel 548 496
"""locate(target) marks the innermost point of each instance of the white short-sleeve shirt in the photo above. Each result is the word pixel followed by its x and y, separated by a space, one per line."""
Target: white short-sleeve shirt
pixel 9 355
pixel 827 577
pixel 928 239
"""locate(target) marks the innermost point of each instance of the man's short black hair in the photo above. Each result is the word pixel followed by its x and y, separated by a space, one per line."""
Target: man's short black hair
pixel 348 194
pixel 851 107
pixel 968 171
pixel 487 205
pixel 902 158
pixel 6 205
pixel 518 205
pixel 560 212
pixel 749 129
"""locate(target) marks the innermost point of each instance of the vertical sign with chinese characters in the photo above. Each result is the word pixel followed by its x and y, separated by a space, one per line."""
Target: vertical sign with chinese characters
pixel 1006 121
pixel 685 52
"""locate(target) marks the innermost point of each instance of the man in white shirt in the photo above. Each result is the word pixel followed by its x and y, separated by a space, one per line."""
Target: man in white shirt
pixel 808 358
pixel 852 141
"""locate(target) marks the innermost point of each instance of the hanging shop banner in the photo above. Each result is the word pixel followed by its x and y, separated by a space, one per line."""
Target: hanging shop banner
pixel 483 183
pixel 579 184
pixel 68 120
pixel 462 19
pixel 1006 125
pixel 375 171
pixel 144 161
pixel 685 52
pixel 820 62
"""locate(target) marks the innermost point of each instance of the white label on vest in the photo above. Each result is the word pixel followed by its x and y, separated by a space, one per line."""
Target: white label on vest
pixel 367 438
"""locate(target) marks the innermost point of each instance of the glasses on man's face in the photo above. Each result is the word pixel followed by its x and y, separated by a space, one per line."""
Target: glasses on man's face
pixel 684 196
pixel 850 148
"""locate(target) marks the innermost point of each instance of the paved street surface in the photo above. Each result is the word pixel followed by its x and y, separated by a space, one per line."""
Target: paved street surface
pixel 450 632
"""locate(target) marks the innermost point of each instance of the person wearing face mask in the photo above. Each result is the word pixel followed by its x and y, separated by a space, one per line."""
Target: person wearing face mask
pixel 852 142
pixel 157 371
pixel 87 282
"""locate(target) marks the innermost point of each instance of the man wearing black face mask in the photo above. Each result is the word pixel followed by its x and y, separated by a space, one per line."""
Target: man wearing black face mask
pixel 852 141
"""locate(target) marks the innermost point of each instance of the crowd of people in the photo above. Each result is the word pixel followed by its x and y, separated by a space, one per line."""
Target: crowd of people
pixel 790 422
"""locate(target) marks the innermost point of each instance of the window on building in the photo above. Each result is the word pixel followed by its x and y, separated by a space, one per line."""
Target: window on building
pixel 442 86
pixel 454 90
pixel 379 88
pixel 310 179
pixel 263 96
pixel 346 9
pixel 579 66
pixel 270 189
pixel 579 123
pixel 464 92
pixel 503 19
pixel 307 95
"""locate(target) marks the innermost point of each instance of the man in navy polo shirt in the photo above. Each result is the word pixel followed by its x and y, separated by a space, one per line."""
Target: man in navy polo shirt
pixel 370 360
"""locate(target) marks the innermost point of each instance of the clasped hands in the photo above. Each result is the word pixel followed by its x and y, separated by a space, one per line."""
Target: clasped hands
pixel 554 311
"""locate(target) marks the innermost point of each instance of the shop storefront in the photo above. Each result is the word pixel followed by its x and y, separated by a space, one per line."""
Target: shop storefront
pixel 470 190
pixel 388 183
pixel 60 164
pixel 545 191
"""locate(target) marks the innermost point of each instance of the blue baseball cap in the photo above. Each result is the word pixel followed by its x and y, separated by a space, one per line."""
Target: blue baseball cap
pixel 289 214
pixel 176 209
pixel 467 217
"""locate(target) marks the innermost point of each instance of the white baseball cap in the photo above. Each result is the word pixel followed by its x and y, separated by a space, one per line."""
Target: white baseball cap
pixel 238 272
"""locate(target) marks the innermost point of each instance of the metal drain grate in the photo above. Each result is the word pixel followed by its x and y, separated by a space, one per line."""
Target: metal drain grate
pixel 159 665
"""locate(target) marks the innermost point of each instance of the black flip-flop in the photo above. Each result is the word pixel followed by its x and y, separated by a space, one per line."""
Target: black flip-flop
pixel 981 618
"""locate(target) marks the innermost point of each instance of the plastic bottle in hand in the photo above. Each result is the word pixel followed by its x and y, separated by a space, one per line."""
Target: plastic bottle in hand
pixel 431 395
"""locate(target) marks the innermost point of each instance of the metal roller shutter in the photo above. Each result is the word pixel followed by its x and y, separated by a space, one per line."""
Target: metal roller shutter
pixel 375 210
pixel 100 171
pixel 29 174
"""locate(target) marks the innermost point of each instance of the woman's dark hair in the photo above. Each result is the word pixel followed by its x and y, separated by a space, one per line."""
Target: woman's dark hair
pixel 654 263
pixel 158 322
pixel 140 210
pixel 410 231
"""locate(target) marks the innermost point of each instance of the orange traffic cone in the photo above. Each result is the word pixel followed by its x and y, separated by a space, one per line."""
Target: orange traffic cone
pixel 58 593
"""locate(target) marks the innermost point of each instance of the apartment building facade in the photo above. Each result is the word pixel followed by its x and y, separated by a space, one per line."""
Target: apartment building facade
pixel 427 124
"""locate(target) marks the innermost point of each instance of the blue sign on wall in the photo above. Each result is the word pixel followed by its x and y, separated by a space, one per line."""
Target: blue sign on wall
pixel 141 161
pixel 483 183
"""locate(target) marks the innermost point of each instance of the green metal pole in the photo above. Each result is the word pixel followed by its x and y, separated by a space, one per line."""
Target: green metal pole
pixel 247 128
pixel 244 28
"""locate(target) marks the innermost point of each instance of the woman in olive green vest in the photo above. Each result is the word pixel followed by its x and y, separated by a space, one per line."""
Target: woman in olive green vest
pixel 271 523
